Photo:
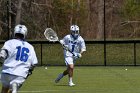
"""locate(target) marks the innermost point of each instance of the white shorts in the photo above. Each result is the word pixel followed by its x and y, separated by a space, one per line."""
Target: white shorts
pixel 69 60
pixel 7 80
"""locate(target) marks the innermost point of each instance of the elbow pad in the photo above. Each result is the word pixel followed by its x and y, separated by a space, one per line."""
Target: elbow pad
pixel 3 54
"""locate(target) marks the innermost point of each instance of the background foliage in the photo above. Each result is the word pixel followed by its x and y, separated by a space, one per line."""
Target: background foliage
pixel 122 17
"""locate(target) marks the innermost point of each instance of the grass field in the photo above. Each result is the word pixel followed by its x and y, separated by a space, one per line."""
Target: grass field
pixel 96 79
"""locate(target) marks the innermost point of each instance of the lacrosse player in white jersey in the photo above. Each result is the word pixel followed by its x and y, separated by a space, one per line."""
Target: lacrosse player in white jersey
pixel 77 46
pixel 19 60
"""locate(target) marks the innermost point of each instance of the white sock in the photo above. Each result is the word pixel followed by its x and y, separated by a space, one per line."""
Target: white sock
pixel 70 79
pixel 14 88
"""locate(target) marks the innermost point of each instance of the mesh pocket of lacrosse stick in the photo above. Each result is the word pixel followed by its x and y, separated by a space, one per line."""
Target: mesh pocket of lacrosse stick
pixel 51 35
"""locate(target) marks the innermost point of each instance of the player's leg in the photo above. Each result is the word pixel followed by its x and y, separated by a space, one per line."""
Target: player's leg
pixel 70 73
pixel 71 70
pixel 70 67
pixel 5 83
pixel 16 83
pixel 61 75
pixel 66 72
pixel 4 89
pixel 14 88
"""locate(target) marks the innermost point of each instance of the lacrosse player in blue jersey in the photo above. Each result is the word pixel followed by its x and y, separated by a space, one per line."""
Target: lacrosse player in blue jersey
pixel 76 44
pixel 19 60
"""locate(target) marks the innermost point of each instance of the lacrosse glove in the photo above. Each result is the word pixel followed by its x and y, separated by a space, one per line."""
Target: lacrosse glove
pixel 77 55
pixel 30 71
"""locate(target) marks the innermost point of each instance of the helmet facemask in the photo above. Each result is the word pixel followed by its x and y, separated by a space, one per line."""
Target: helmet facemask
pixel 75 34
pixel 74 31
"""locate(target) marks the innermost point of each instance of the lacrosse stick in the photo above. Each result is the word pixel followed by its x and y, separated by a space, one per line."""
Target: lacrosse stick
pixel 51 35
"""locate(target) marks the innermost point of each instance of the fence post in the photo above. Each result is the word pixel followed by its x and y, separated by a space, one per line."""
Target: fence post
pixel 41 54
pixel 135 54
pixel 104 36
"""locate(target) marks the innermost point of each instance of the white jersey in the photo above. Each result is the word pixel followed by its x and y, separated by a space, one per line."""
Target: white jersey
pixel 76 46
pixel 21 56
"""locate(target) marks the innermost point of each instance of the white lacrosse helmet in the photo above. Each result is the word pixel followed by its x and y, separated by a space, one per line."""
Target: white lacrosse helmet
pixel 20 29
pixel 74 31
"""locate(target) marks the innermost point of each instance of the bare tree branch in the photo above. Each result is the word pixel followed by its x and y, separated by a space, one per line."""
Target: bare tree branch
pixel 42 5
pixel 128 22
pixel 5 24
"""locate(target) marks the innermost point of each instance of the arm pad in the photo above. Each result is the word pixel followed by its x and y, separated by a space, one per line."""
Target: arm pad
pixel 3 54
pixel 30 71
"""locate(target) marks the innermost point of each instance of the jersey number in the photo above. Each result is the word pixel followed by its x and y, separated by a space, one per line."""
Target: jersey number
pixel 22 54
pixel 73 46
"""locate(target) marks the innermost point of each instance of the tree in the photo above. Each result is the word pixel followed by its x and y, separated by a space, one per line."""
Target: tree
pixel 131 15
pixel 101 24
pixel 18 14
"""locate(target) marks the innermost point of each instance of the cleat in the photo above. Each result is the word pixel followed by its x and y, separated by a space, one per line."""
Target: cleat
pixel 71 84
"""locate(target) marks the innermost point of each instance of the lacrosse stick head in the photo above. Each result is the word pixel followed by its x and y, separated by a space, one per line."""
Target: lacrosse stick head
pixel 51 35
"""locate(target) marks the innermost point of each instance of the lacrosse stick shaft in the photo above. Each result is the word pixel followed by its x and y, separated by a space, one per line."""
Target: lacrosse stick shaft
pixel 66 48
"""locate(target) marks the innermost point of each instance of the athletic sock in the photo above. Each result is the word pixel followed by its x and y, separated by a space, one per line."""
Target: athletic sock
pixel 61 76
pixel 70 80
pixel 14 88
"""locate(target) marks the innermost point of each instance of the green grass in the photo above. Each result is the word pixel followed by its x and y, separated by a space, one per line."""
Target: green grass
pixel 97 79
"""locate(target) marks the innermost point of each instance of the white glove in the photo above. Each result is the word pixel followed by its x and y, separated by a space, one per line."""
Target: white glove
pixel 77 55
pixel 62 42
